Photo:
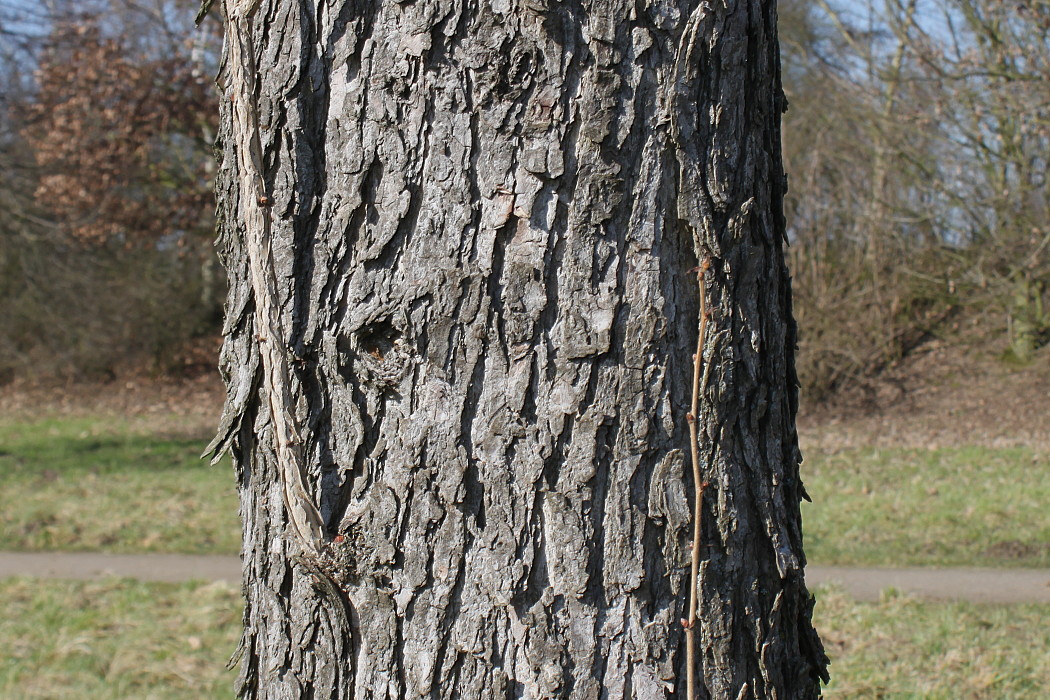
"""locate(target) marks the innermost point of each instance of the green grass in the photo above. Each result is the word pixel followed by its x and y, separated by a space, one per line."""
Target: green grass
pixel 120 639
pixel 108 485
pixel 965 506
pixel 113 485
pixel 905 648
pixel 117 639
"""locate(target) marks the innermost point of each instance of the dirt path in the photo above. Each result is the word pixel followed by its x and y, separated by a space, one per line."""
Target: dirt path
pixel 976 585
pixel 168 568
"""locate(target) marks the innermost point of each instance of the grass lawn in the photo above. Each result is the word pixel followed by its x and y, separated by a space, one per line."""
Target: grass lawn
pixel 905 648
pixel 118 486
pixel 110 485
pixel 117 639
pixel 120 639
pixel 965 506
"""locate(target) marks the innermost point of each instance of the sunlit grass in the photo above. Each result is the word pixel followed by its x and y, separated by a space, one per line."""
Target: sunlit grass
pixel 105 485
pixel 965 506
pixel 906 648
pixel 117 639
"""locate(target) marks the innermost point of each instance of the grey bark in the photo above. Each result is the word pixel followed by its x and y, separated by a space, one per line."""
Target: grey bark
pixel 483 224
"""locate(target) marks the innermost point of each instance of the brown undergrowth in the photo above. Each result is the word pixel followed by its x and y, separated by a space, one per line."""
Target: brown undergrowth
pixel 945 393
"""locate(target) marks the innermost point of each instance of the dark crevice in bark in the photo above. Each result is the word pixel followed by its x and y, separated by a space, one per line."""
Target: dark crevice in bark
pixel 367 442
pixel 494 283
pixel 333 294
pixel 537 581
pixel 387 256
pixel 605 438
pixel 472 395
pixel 553 465
pixel 474 500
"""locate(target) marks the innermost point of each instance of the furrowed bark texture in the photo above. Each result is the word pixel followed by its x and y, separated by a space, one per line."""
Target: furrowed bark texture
pixel 484 219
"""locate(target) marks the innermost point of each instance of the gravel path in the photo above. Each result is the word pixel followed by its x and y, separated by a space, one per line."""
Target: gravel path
pixel 866 584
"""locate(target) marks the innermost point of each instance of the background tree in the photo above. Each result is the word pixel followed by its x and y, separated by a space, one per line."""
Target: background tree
pixel 917 154
pixel 121 140
pixel 462 244
pixel 986 78
pixel 107 209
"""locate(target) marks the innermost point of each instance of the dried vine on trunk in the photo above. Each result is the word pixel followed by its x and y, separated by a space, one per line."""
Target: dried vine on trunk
pixel 254 208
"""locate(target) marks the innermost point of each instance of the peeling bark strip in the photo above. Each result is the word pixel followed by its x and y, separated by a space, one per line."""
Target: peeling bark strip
pixel 465 234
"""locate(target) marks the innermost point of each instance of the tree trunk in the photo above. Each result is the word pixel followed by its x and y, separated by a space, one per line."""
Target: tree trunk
pixel 483 223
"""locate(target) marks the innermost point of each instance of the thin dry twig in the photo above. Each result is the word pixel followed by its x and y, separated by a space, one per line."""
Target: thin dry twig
pixel 694 447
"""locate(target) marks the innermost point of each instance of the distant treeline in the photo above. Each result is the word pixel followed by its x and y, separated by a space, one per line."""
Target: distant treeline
pixel 108 114
pixel 917 146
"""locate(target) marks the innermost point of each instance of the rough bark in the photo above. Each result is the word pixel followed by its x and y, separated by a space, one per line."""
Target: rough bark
pixel 483 222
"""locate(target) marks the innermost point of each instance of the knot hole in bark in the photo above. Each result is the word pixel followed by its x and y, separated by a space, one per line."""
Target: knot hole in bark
pixel 376 355
pixel 376 340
